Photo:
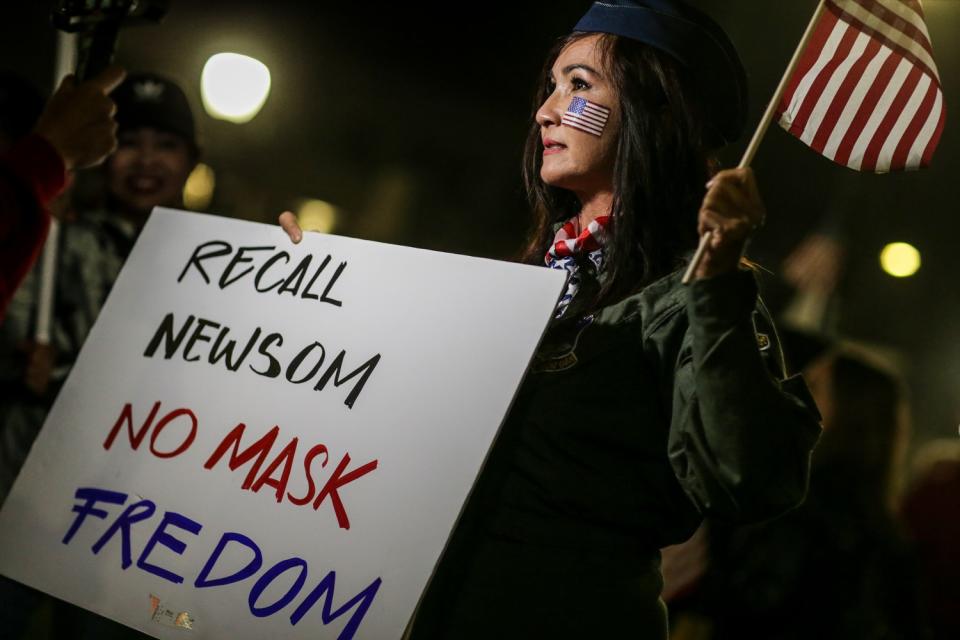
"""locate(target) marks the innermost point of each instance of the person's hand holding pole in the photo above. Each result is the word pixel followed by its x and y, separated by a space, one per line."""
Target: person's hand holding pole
pixel 78 119
pixel 78 122
pixel 731 211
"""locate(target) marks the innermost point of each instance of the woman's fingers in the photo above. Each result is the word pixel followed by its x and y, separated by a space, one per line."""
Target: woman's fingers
pixel 725 229
pixel 723 202
pixel 732 210
pixel 288 222
pixel 734 192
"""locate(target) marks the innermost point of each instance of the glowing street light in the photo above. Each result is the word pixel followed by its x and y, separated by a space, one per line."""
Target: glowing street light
pixel 317 215
pixel 900 259
pixel 198 190
pixel 234 87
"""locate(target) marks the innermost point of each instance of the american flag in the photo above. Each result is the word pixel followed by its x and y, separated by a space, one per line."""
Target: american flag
pixel 866 92
pixel 586 116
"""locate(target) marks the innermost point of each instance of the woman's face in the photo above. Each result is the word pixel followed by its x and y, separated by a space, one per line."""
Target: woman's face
pixel 148 169
pixel 574 159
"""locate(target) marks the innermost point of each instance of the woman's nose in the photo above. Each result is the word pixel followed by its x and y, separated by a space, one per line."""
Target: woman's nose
pixel 147 154
pixel 548 113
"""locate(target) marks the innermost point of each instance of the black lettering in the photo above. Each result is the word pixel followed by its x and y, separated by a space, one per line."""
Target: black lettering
pixel 316 274
pixel 273 370
pixel 295 363
pixel 336 274
pixel 363 371
pixel 198 336
pixel 227 351
pixel 197 256
pixel 299 271
pixel 263 269
pixel 239 258
pixel 165 333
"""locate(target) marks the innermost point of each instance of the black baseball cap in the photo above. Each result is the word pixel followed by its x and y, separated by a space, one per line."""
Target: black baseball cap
pixel 152 100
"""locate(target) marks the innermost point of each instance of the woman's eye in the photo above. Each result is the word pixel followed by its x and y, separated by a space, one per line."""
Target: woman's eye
pixel 579 84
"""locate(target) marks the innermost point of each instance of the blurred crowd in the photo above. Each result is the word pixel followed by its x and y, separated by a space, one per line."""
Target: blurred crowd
pixel 871 552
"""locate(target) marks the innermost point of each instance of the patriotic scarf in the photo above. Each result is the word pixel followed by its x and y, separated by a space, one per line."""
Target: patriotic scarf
pixel 570 246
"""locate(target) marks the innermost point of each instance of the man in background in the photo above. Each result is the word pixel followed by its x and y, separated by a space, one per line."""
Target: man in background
pixel 39 147
pixel 156 151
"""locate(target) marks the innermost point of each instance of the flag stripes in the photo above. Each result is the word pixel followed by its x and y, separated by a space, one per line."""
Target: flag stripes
pixel 866 92
pixel 586 116
pixel 881 23
pixel 569 240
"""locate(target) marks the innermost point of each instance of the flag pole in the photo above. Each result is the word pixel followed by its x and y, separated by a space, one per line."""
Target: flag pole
pixel 751 151
pixel 64 64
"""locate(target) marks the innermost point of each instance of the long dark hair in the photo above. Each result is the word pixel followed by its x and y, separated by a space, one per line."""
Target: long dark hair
pixel 660 170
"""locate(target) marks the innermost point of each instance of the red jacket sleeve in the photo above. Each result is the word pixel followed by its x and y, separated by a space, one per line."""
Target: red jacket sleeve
pixel 32 174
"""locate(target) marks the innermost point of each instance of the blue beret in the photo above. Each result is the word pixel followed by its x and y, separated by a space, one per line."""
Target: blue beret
pixel 693 39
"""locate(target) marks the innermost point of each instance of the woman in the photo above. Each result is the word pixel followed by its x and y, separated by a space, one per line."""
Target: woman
pixel 648 404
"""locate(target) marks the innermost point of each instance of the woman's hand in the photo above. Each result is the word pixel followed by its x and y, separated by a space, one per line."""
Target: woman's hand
pixel 288 222
pixel 732 210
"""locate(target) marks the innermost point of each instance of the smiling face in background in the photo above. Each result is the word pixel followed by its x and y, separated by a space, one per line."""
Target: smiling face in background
pixel 573 159
pixel 148 169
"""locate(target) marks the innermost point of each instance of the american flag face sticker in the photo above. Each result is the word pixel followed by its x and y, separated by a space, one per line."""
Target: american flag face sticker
pixel 586 116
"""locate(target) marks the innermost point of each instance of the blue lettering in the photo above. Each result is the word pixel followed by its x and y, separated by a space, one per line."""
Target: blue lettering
pixel 355 608
pixel 271 575
pixel 160 536
pixel 122 524
pixel 91 496
pixel 364 598
pixel 252 567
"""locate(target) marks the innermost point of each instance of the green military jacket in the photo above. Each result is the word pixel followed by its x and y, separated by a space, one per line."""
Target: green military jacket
pixel 667 406
pixel 631 425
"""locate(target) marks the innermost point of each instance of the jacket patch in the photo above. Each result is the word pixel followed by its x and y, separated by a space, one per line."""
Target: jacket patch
pixel 557 351
pixel 548 365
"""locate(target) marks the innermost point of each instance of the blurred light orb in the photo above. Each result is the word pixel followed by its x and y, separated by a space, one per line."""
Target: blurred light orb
pixel 234 87
pixel 198 190
pixel 317 215
pixel 900 259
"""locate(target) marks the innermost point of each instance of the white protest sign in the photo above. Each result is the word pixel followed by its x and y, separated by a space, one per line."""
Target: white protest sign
pixel 268 440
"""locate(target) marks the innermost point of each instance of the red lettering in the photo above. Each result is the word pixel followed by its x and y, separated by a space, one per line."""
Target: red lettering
pixel 170 417
pixel 126 415
pixel 276 474
pixel 307 461
pixel 333 484
pixel 260 449
pixel 286 459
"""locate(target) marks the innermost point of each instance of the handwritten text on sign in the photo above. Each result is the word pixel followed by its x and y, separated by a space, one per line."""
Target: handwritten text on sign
pixel 268 440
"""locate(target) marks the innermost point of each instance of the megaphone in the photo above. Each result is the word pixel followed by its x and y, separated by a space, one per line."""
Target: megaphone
pixel 97 24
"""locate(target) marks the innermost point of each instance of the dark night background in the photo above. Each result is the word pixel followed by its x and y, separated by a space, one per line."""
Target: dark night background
pixel 410 118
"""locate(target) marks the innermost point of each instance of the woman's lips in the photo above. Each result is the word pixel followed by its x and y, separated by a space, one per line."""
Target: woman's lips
pixel 551 147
